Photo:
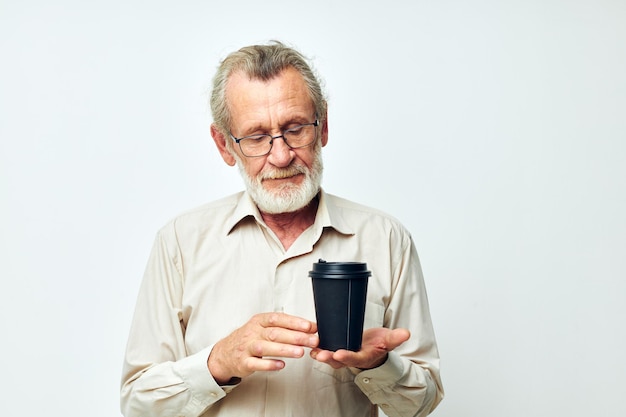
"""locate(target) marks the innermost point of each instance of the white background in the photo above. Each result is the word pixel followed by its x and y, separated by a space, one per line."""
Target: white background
pixel 494 130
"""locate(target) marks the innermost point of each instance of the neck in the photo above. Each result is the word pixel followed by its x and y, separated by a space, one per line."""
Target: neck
pixel 288 226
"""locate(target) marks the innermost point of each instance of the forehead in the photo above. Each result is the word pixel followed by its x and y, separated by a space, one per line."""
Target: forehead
pixel 283 96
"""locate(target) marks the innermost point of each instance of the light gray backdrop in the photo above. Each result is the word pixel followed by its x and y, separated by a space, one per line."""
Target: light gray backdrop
pixel 495 130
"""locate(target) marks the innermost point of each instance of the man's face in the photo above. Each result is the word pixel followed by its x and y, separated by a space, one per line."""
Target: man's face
pixel 286 179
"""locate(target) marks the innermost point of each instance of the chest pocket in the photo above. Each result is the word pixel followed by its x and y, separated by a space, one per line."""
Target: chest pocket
pixel 374 315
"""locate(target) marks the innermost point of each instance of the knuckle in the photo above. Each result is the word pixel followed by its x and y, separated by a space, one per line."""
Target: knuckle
pixel 272 334
pixel 273 318
pixel 248 365
pixel 256 349
pixel 257 318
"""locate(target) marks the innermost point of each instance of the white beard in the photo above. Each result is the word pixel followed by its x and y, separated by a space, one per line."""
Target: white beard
pixel 290 197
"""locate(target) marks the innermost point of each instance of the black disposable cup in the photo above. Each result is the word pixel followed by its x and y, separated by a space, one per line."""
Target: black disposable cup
pixel 340 292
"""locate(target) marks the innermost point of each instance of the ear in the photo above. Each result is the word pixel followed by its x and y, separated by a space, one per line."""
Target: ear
pixel 220 142
pixel 325 130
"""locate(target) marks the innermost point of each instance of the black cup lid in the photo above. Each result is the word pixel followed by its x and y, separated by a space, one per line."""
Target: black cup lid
pixel 337 269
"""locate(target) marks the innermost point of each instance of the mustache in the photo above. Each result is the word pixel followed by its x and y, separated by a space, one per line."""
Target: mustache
pixel 276 174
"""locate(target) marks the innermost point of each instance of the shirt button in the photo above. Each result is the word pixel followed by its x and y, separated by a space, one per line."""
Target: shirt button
pixel 366 380
pixel 213 395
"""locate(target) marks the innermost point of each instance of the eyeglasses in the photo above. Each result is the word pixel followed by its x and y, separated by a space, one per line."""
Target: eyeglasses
pixel 295 137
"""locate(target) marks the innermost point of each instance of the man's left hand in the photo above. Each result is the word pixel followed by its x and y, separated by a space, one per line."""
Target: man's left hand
pixel 373 353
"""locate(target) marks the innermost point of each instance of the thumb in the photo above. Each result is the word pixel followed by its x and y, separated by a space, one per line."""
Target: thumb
pixel 396 337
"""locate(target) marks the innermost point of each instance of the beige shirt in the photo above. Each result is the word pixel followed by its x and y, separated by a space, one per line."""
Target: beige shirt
pixel 213 268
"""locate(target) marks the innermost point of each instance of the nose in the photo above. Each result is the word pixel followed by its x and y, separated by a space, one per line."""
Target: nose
pixel 281 154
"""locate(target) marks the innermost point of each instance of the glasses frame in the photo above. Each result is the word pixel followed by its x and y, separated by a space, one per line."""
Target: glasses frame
pixel 315 124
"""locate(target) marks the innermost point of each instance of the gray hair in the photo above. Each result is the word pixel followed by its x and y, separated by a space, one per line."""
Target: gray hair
pixel 262 62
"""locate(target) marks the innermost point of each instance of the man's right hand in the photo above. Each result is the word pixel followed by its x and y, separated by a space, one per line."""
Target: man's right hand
pixel 246 350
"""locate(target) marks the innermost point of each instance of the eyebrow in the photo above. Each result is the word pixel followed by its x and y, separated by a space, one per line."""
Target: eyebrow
pixel 295 121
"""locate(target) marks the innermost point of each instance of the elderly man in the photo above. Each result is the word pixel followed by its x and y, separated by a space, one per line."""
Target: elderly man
pixel 224 322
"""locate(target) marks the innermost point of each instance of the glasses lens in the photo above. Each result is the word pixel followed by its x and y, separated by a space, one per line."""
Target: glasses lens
pixel 300 136
pixel 256 145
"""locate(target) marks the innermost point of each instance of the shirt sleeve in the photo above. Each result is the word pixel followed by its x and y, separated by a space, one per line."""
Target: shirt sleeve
pixel 408 383
pixel 159 378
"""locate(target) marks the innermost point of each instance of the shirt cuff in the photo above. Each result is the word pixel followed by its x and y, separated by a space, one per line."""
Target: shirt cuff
pixel 388 373
pixel 194 371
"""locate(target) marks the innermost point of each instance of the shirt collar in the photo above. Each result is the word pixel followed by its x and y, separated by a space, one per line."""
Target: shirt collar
pixel 245 208
pixel 328 213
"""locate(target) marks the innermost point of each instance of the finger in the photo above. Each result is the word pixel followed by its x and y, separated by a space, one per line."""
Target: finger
pixel 286 321
pixel 350 358
pixel 254 364
pixel 385 339
pixel 374 354
pixel 262 349
pixel 291 337
pixel 326 357
pixel 396 337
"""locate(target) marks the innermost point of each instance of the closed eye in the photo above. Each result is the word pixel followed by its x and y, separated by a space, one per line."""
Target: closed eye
pixel 295 131
pixel 256 137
